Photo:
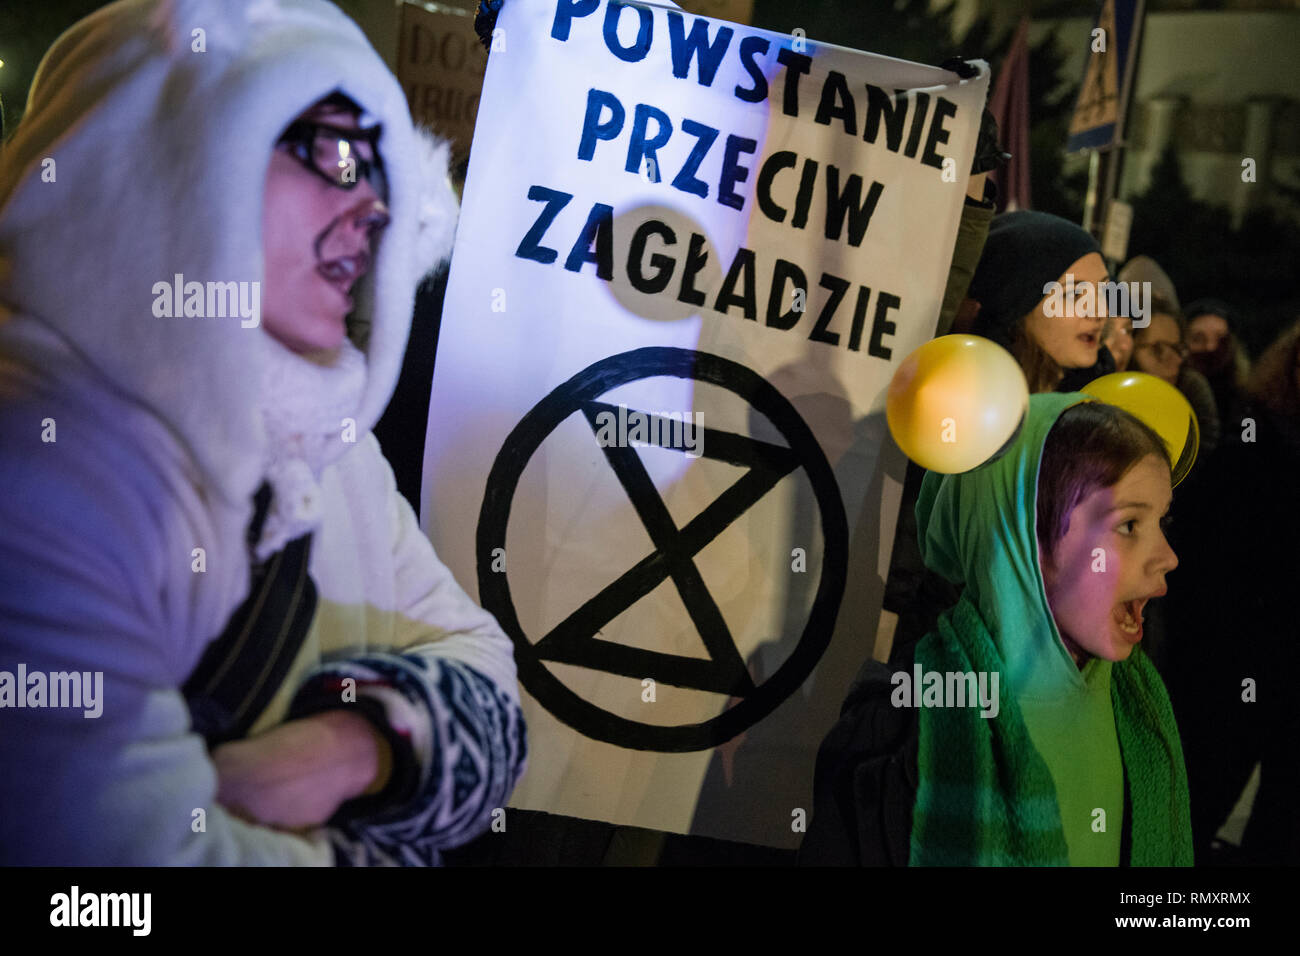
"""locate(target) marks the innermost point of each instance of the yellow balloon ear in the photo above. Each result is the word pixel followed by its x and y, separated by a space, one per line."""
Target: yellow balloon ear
pixel 955 403
pixel 1161 407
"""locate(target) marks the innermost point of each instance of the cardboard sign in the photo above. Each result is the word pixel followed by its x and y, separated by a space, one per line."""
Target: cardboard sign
pixel 690 256
pixel 440 64
pixel 737 11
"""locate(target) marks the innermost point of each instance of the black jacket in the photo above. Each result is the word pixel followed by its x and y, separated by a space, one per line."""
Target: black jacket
pixel 864 785
pixel 865 782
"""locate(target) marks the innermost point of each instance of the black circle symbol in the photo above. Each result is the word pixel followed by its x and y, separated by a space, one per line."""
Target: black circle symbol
pixel 676 547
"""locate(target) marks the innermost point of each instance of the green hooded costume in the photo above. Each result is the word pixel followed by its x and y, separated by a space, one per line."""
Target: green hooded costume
pixel 1043 782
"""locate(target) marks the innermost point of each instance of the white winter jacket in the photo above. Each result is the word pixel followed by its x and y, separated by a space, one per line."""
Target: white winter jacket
pixel 131 446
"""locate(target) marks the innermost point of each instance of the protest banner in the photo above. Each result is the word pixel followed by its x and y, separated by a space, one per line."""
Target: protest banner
pixel 690 256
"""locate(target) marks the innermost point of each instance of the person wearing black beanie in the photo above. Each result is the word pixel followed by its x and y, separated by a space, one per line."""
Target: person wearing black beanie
pixel 1217 353
pixel 1050 335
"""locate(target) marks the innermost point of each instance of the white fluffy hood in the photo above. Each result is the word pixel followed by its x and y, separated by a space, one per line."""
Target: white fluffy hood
pixel 160 156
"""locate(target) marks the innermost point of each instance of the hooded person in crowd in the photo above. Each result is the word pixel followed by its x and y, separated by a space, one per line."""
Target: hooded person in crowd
pixel 213 218
pixel 1159 348
pixel 1145 270
pixel 1009 295
pixel 1070 754
pixel 1216 352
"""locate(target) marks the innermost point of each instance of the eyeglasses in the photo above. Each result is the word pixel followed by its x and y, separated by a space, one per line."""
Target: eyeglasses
pixel 342 157
pixel 1166 350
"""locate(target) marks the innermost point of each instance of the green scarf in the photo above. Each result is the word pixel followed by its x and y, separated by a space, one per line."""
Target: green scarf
pixel 987 795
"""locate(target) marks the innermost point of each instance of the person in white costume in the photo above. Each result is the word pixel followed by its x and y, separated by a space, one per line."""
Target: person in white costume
pixel 213 219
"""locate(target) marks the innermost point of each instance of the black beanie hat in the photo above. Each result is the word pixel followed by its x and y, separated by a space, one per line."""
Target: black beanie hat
pixel 1212 307
pixel 1025 251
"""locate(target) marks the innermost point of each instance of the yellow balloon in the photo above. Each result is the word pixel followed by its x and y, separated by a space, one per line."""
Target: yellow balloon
pixel 955 402
pixel 1160 406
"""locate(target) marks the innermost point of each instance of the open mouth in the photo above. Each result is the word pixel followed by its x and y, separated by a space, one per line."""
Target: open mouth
pixel 342 273
pixel 1127 616
pixel 1090 339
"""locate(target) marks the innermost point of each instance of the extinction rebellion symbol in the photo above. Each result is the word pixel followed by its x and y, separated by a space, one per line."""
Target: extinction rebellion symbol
pixel 574 640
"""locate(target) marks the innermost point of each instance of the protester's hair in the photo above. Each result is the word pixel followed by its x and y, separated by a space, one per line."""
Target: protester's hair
pixel 1092 445
pixel 1163 305
pixel 1212 307
pixel 340 100
pixel 1238 360
pixel 1273 381
pixel 1042 373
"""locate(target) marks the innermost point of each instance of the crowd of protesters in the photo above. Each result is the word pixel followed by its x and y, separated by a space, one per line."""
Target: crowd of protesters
pixel 985 570
pixel 1223 638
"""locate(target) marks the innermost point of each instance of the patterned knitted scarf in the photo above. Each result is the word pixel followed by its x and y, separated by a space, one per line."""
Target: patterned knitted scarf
pixel 986 797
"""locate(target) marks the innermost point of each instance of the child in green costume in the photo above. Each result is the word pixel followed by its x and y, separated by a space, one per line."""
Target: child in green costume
pixel 1057 546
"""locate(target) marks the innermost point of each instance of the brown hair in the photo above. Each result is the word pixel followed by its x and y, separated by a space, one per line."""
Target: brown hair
pixel 1042 373
pixel 1273 382
pixel 1162 305
pixel 1092 445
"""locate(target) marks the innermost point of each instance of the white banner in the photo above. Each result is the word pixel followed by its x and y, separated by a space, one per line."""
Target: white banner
pixel 691 255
